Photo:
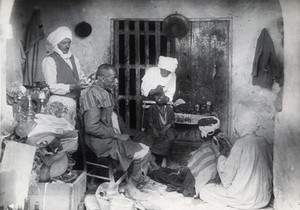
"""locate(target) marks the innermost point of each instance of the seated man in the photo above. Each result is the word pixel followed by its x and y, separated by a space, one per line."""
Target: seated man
pixel 202 165
pixel 203 162
pixel 103 134
pixel 161 134
pixel 160 78
pixel 246 174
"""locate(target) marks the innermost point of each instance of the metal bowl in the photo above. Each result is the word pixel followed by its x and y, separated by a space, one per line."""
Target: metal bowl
pixel 175 26
pixel 83 29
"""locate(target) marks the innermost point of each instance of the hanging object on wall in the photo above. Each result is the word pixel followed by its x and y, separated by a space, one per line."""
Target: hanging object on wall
pixel 83 29
pixel 34 34
pixel 176 26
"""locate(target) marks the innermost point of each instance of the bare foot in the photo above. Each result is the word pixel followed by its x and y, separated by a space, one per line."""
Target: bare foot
pixel 132 190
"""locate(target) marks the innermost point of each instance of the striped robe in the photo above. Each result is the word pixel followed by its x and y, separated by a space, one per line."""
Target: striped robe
pixel 104 145
pixel 203 165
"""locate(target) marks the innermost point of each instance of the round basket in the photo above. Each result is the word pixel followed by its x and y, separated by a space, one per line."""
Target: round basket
pixel 208 125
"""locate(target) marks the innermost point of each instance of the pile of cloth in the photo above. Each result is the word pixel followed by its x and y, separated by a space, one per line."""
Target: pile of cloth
pixel 55 139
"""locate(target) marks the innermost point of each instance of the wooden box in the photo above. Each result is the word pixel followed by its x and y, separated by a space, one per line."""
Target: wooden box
pixel 58 196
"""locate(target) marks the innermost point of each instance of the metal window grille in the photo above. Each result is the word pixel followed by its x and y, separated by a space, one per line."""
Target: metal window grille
pixel 137 46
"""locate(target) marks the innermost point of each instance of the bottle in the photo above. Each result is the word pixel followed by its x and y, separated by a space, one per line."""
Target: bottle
pixel 197 108
pixel 208 104
pixel 37 206
pixel 26 203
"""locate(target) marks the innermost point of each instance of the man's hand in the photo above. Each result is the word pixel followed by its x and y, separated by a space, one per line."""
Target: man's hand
pixel 215 146
pixel 122 137
pixel 159 89
pixel 78 86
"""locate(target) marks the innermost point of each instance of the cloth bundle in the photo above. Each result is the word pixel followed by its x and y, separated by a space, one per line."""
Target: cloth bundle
pixel 55 138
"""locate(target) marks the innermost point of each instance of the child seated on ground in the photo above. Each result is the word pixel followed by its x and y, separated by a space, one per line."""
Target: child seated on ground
pixel 161 134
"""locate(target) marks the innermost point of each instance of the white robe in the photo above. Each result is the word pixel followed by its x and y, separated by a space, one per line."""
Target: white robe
pixel 246 176
pixel 153 78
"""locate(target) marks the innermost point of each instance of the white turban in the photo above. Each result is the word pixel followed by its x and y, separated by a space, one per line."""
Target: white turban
pixel 57 36
pixel 167 63
pixel 246 121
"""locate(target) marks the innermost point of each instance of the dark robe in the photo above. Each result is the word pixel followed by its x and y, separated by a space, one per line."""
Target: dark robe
pixel 163 144
pixel 265 64
pixel 35 33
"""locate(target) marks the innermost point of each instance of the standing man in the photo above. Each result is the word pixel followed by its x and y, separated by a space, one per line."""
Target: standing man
pixel 62 71
pixel 103 134
pixel 160 79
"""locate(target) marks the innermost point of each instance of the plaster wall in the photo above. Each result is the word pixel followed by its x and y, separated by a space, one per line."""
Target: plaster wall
pixel 249 17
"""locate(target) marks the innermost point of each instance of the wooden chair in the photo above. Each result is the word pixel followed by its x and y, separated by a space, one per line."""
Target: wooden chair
pixel 101 168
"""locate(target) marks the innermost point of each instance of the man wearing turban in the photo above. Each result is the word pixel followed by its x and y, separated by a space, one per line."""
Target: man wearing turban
pixel 246 174
pixel 62 71
pixel 161 78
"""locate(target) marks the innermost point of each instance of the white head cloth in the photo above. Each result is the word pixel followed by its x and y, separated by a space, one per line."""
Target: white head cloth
pixel 246 121
pixel 209 129
pixel 167 63
pixel 57 36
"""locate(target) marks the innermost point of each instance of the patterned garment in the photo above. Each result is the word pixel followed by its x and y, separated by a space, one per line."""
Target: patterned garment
pixel 160 116
pixel 97 107
pixel 95 96
pixel 156 114
pixel 203 162
pixel 203 165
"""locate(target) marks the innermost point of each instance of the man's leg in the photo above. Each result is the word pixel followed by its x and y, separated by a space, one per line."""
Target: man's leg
pixel 140 165
pixel 138 171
